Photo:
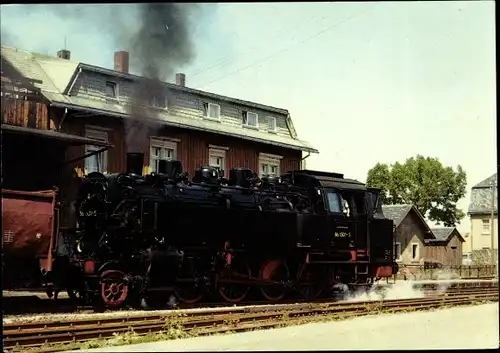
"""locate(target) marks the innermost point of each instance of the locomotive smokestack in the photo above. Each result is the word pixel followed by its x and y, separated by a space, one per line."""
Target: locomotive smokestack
pixel 135 163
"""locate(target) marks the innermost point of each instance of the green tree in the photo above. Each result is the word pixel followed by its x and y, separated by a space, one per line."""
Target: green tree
pixel 424 182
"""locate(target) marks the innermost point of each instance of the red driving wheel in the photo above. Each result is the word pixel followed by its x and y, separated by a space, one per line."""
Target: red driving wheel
pixel 114 289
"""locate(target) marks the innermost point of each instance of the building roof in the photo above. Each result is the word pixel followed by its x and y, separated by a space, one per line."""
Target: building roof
pixel 58 76
pixel 482 201
pixel 66 138
pixel 443 234
pixel 399 212
pixel 396 212
pixel 32 65
pixel 486 183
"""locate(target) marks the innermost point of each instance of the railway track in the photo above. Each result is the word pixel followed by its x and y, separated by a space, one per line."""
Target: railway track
pixel 19 305
pixel 52 336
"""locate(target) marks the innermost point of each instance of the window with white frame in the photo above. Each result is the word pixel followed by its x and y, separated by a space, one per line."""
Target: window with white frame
pixel 158 100
pixel 486 226
pixel 414 252
pixel 269 164
pixel 250 119
pixel 111 91
pixel 161 149
pixel 98 161
pixel 211 111
pixel 271 124
pixel 397 250
pixel 217 158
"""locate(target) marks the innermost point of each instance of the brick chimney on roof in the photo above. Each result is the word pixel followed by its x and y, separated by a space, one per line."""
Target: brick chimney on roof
pixel 64 54
pixel 180 79
pixel 121 61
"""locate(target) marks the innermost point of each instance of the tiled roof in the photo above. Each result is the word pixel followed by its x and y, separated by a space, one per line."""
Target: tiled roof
pixel 443 234
pixel 32 65
pixel 396 212
pixel 486 183
pixel 399 212
pixel 481 197
pixel 57 74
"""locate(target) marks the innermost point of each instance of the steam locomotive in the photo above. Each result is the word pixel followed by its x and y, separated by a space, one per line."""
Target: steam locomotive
pixel 139 235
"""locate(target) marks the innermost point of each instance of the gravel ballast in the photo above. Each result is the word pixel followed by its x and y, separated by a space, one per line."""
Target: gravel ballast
pixel 399 290
pixel 473 327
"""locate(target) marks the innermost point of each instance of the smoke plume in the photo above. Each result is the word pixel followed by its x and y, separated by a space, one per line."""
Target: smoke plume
pixel 163 40
pixel 158 37
pixel 162 43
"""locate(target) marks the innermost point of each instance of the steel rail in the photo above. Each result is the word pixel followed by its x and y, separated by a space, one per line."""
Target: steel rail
pixel 131 315
pixel 22 336
pixel 50 307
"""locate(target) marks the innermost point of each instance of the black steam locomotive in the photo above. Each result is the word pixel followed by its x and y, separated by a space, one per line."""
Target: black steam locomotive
pixel 139 235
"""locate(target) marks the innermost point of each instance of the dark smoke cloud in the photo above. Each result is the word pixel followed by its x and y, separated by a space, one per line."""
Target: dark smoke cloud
pixel 158 37
pixel 163 40
pixel 162 43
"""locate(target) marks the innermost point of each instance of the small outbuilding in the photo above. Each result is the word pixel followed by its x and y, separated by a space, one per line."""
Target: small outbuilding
pixel 446 248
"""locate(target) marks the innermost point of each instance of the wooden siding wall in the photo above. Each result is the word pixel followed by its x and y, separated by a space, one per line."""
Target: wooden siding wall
pixel 24 113
pixel 92 85
pixel 411 230
pixel 114 128
pixel 444 252
pixel 191 106
pixel 192 148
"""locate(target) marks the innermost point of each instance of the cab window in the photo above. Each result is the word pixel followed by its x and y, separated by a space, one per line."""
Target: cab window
pixel 335 201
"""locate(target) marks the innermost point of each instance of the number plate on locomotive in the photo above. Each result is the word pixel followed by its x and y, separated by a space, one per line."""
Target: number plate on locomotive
pixel 341 235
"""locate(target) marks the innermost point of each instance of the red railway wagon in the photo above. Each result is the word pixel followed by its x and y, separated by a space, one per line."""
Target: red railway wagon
pixel 29 228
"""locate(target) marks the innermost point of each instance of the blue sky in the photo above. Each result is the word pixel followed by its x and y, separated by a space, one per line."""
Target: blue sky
pixel 364 82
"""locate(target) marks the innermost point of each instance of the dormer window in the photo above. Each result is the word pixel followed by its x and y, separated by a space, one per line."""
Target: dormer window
pixel 111 89
pixel 211 111
pixel 250 119
pixel 158 100
pixel 271 124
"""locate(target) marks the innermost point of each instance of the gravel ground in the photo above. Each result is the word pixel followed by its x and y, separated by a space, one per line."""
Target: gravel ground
pixel 473 327
pixel 451 281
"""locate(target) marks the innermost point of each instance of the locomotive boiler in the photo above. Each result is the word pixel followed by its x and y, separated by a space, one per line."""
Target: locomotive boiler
pixel 140 235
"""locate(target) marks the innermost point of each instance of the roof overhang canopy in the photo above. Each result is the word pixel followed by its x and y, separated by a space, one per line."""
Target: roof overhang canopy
pixel 68 139
pixel 245 135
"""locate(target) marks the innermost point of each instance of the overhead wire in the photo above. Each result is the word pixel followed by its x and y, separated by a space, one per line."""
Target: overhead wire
pixel 230 58
pixel 314 36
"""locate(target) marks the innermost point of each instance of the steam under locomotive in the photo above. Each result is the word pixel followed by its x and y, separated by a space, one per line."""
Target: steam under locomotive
pixel 139 235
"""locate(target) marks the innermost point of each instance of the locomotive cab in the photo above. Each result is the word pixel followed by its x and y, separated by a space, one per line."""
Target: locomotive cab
pixel 346 225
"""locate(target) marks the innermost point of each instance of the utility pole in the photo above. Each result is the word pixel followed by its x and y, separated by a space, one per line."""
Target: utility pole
pixel 493 262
